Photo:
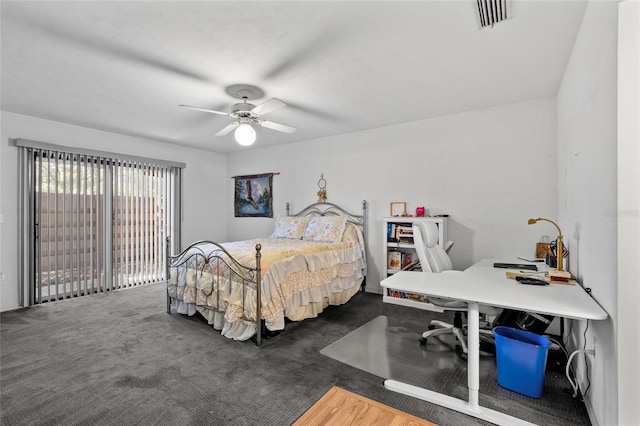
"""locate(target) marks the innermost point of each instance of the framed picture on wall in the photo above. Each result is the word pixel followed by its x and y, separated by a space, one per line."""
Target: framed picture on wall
pixel 398 208
pixel 253 196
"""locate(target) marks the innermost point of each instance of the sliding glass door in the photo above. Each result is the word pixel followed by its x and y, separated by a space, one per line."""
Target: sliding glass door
pixel 93 223
pixel 69 221
pixel 140 219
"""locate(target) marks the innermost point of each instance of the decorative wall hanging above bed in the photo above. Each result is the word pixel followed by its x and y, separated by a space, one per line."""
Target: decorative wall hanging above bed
pixel 322 193
pixel 253 195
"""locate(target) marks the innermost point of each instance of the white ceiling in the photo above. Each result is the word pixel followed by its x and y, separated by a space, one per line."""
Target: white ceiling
pixel 341 66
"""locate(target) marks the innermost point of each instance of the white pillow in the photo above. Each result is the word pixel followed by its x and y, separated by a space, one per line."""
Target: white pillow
pixel 326 229
pixel 291 227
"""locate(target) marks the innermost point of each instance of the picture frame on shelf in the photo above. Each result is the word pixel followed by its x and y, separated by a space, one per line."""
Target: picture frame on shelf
pixel 398 208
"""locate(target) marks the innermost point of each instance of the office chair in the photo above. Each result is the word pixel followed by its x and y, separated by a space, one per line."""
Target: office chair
pixel 434 259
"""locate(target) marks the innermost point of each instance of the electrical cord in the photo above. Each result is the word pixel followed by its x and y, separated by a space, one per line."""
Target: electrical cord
pixel 584 347
pixel 584 350
pixel 559 345
pixel 568 358
pixel 574 385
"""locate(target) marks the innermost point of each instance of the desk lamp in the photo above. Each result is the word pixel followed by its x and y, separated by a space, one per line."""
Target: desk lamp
pixel 559 274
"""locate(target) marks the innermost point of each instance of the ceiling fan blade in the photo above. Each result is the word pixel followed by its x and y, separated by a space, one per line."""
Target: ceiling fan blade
pixel 277 126
pixel 205 110
pixel 228 129
pixel 268 106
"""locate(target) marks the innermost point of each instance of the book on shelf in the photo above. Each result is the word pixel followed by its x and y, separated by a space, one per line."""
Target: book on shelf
pixel 399 233
pixel 404 234
pixel 391 232
pixel 407 259
pixel 397 260
pixel 394 260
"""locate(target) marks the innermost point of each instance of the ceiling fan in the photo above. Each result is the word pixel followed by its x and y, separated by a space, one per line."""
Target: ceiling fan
pixel 247 113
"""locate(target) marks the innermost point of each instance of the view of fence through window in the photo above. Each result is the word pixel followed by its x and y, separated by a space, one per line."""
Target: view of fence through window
pixel 100 224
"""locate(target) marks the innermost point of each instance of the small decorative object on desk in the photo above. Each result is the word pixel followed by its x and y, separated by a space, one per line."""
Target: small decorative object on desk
pixel 542 248
pixel 420 211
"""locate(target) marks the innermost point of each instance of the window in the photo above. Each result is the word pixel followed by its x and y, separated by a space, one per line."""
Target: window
pixel 93 222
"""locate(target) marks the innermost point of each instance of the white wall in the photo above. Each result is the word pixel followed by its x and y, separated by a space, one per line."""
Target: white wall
pixel 629 211
pixel 587 204
pixel 204 185
pixel 490 169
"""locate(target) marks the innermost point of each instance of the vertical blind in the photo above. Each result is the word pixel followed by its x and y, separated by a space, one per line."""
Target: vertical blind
pixel 93 222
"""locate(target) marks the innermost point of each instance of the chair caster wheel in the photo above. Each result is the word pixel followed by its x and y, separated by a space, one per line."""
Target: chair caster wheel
pixel 423 341
pixel 460 352
pixel 431 327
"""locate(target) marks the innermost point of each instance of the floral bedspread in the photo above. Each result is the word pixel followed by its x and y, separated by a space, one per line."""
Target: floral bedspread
pixel 294 273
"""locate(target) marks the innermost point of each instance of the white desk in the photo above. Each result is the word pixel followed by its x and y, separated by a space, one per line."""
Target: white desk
pixel 482 284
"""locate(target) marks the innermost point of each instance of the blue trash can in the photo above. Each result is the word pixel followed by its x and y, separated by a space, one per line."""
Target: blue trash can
pixel 521 360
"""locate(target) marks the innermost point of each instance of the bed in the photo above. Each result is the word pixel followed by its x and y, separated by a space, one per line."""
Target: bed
pixel 246 289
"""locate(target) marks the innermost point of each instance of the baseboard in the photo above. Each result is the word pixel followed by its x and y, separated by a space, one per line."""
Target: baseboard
pixel 10 308
pixel 371 289
pixel 586 399
pixel 590 412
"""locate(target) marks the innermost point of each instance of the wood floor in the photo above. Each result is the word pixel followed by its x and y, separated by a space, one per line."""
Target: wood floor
pixel 341 407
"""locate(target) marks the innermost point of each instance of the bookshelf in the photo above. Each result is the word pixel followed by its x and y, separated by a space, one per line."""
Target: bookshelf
pixel 398 241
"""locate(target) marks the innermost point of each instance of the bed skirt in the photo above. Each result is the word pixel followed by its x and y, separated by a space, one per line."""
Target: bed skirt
pixel 308 303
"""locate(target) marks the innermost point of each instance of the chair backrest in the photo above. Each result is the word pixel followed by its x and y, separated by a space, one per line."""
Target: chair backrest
pixel 432 256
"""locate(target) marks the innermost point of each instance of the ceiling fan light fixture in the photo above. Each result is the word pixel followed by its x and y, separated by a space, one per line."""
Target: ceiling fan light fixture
pixel 245 114
pixel 245 135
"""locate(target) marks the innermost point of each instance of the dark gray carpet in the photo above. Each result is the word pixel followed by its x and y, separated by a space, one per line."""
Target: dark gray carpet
pixel 118 358
pixel 388 348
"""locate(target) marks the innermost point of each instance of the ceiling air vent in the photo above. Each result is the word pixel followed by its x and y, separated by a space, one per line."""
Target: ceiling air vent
pixel 492 11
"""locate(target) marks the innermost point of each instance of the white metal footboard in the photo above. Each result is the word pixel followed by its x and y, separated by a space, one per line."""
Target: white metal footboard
pixel 224 269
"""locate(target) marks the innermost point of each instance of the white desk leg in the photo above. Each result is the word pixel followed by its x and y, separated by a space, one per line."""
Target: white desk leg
pixel 472 406
pixel 473 353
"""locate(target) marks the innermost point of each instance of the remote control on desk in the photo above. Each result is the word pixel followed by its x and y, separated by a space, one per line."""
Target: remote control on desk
pixel 531 281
